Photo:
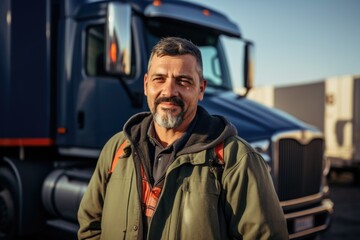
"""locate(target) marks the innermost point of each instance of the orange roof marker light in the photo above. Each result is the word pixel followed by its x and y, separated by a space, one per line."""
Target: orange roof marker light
pixel 157 3
pixel 206 12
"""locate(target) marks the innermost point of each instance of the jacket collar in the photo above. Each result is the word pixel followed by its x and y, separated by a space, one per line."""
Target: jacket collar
pixel 209 130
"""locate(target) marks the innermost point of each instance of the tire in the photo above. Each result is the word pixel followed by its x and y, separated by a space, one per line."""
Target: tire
pixel 9 199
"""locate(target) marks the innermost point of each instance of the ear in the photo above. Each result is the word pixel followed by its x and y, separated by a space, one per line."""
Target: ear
pixel 202 89
pixel 145 83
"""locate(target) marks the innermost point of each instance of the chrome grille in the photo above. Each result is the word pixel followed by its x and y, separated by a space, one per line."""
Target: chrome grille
pixel 299 167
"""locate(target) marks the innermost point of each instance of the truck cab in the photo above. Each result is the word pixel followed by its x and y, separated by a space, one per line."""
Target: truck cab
pixel 72 82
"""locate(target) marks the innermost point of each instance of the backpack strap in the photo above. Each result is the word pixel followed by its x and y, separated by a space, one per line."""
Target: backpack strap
pixel 117 156
pixel 219 152
pixel 217 163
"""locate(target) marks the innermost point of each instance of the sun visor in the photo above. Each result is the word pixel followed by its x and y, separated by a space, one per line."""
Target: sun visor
pixel 200 16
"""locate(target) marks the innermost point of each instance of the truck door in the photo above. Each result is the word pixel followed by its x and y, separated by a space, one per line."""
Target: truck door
pixel 101 104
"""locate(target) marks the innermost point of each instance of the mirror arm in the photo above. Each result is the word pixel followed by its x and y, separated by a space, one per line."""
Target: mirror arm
pixel 248 67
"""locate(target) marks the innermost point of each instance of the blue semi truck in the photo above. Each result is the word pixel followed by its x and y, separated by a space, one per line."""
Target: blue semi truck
pixel 71 74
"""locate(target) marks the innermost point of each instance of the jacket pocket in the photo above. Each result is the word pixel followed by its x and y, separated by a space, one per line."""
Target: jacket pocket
pixel 199 217
pixel 114 223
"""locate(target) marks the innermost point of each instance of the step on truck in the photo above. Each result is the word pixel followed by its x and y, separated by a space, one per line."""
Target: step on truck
pixel 71 74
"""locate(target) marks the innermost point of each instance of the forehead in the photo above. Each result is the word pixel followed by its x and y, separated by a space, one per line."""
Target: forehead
pixel 186 60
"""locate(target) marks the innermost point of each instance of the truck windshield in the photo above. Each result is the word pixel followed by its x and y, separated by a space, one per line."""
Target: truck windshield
pixel 215 69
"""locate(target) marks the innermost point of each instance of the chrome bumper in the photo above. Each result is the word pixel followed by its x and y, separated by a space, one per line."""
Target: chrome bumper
pixel 309 221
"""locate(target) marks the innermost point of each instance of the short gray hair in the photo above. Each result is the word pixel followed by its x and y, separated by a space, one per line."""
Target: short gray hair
pixel 174 46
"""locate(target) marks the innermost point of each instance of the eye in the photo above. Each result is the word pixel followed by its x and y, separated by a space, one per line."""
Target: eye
pixel 158 79
pixel 184 82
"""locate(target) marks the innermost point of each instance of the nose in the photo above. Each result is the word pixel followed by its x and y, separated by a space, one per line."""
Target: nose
pixel 169 88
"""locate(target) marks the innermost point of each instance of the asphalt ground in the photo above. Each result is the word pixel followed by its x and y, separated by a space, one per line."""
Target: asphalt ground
pixel 346 218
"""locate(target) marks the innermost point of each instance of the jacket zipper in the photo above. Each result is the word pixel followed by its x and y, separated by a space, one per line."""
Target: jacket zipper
pixel 139 184
pixel 170 169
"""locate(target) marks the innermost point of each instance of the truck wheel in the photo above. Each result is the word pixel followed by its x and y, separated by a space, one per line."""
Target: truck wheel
pixel 9 198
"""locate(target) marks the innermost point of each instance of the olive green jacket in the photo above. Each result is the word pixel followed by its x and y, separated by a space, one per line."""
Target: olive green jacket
pixel 198 201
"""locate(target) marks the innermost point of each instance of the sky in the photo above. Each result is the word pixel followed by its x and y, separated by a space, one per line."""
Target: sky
pixel 297 41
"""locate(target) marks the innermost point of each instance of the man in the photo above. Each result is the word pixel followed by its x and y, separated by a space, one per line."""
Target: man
pixel 169 182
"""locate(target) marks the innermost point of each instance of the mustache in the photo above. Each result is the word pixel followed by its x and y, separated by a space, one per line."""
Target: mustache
pixel 174 100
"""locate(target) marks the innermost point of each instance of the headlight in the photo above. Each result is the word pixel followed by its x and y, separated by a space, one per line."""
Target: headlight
pixel 263 148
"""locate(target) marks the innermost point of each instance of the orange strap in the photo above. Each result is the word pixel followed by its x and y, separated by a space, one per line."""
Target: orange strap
pixel 219 151
pixel 117 156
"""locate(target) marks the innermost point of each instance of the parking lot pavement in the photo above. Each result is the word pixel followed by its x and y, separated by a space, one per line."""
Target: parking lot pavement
pixel 346 218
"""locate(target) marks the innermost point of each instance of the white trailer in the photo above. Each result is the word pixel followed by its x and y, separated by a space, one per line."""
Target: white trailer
pixel 332 105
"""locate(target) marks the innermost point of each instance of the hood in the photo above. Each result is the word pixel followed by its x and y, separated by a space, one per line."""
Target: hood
pixel 208 131
pixel 252 120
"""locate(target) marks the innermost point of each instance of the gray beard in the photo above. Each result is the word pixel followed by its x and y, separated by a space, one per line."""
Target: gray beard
pixel 168 121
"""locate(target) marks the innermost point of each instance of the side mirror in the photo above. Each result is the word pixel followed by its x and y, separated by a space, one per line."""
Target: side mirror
pixel 248 65
pixel 118 39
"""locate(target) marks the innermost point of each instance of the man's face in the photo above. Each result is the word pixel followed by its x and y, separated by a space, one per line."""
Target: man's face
pixel 173 89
